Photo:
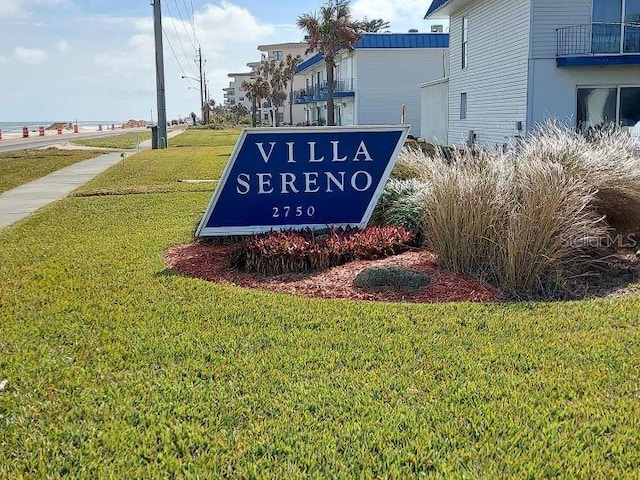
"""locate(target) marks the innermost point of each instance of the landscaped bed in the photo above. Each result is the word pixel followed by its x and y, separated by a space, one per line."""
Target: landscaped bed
pixel 212 263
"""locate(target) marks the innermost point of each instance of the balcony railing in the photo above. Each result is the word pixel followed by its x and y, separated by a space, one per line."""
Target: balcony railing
pixel 315 93
pixel 599 39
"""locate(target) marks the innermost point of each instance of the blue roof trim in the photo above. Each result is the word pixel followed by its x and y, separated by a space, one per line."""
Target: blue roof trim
pixel 309 62
pixel 389 40
pixel 598 60
pixel 435 5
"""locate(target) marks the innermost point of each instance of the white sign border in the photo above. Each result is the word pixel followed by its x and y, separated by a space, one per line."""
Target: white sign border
pixel 204 231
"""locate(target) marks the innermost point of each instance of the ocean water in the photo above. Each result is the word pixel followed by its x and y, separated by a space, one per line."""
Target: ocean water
pixel 16 127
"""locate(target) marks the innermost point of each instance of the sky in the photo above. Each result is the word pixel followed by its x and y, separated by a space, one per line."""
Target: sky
pixel 85 60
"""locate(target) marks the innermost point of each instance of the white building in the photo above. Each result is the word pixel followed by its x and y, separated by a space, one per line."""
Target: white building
pixel 515 63
pixel 375 79
pixel 234 94
pixel 290 113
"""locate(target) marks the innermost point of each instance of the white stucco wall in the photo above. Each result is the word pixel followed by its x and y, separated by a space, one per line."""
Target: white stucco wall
pixel 554 91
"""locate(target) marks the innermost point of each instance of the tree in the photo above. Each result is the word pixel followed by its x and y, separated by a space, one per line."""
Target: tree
pixel 375 25
pixel 290 66
pixel 328 32
pixel 207 108
pixel 279 75
pixel 256 89
pixel 272 71
pixel 238 112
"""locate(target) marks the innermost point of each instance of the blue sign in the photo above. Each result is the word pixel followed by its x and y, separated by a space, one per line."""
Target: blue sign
pixel 298 177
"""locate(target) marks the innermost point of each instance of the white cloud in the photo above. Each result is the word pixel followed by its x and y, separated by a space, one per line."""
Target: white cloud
pixel 229 22
pixel 62 46
pixel 402 14
pixel 11 9
pixel 29 56
pixel 228 35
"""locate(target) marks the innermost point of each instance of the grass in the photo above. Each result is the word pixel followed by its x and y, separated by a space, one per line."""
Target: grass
pixel 193 155
pixel 117 367
pixel 125 141
pixel 193 137
pixel 22 166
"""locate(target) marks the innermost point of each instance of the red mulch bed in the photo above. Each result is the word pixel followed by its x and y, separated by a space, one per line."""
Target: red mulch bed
pixel 210 262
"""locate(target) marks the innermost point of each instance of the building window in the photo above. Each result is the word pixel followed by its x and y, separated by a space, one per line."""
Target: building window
pixel 615 26
pixel 277 54
pixel 600 107
pixel 463 106
pixel 465 38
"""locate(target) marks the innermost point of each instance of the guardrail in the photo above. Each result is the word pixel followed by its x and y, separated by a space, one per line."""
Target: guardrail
pixel 319 92
pixel 598 39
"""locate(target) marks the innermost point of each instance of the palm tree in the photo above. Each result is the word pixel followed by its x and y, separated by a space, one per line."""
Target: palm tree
pixel 272 71
pixel 290 65
pixel 238 111
pixel 256 89
pixel 375 25
pixel 329 32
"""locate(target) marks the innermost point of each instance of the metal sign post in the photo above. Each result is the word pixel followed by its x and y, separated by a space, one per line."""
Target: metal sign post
pixel 299 177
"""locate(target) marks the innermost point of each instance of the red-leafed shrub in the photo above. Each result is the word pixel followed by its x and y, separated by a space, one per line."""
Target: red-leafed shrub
pixel 289 251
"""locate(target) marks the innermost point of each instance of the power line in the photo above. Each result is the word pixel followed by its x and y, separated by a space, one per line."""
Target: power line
pixel 184 24
pixel 174 54
pixel 186 57
pixel 193 23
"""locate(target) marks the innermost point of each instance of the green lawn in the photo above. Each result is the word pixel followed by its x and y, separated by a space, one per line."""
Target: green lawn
pixel 193 137
pixel 117 367
pixel 162 171
pixel 124 141
pixel 22 166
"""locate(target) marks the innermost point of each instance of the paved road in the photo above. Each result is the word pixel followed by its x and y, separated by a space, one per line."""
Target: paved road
pixel 9 144
pixel 21 201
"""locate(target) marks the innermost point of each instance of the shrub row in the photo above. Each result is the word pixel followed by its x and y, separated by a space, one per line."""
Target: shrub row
pixel 288 251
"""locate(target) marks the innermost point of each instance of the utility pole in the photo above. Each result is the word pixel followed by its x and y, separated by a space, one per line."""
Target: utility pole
pixel 201 84
pixel 162 109
pixel 206 96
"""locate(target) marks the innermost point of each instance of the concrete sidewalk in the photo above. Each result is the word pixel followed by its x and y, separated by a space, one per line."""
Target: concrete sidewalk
pixel 22 201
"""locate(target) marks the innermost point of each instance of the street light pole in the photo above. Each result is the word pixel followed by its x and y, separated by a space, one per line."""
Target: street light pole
pixel 162 109
pixel 202 92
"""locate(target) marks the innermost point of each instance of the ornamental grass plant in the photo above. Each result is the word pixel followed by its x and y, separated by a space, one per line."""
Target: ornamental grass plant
pixel 401 203
pixel 607 160
pixel 533 217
